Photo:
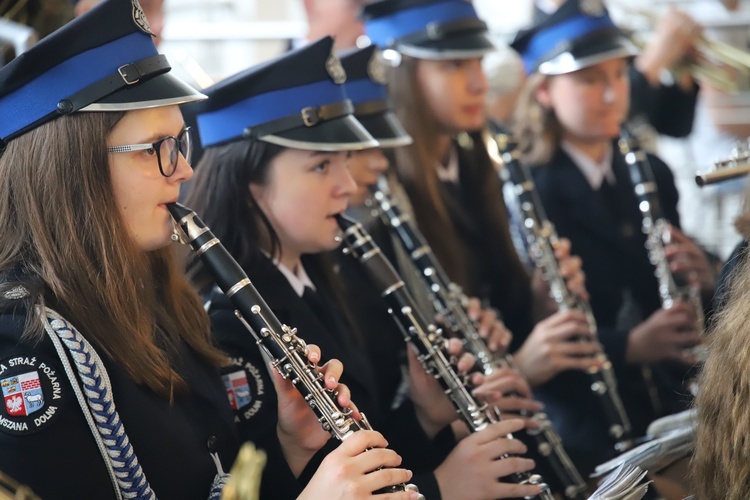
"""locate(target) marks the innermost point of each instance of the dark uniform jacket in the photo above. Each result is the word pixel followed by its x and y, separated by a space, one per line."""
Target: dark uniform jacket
pixel 490 278
pixel 604 228
pixel 324 325
pixel 46 443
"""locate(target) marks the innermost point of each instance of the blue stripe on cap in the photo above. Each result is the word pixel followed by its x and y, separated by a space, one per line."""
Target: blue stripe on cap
pixel 39 97
pixel 230 122
pixel 385 30
pixel 364 90
pixel 545 41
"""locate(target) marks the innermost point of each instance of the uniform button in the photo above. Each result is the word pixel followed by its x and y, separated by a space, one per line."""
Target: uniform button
pixel 212 440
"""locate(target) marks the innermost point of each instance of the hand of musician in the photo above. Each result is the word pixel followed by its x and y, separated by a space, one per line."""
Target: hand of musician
pixel 685 256
pixel 300 433
pixel 507 390
pixel 553 347
pixel 472 469
pixel 433 408
pixel 666 334
pixel 672 42
pixel 489 325
pixel 571 268
pixel 350 470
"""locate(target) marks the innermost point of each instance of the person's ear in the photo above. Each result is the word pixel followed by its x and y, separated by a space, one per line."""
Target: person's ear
pixel 543 94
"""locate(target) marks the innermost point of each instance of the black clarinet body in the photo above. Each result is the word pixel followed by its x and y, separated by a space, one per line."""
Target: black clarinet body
pixel 426 339
pixel 448 301
pixel 672 287
pixel 540 239
pixel 279 341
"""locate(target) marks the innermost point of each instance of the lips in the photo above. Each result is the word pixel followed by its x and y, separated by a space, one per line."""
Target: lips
pixel 472 110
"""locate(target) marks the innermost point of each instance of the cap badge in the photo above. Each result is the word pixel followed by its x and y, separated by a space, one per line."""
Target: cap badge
pixel 376 69
pixel 594 8
pixel 335 69
pixel 139 18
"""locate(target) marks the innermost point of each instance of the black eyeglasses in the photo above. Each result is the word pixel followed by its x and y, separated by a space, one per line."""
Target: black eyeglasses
pixel 168 148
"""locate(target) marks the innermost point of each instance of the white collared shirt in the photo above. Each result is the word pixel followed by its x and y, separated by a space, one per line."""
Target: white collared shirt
pixel 595 172
pixel 449 172
pixel 298 280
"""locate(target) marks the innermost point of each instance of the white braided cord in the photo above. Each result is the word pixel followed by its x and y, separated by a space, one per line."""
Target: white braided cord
pixel 81 400
pixel 120 458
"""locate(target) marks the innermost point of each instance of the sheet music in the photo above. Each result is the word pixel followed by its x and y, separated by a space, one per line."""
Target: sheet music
pixel 622 484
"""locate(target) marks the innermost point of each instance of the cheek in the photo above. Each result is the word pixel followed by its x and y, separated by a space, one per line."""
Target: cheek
pixel 293 211
pixel 359 171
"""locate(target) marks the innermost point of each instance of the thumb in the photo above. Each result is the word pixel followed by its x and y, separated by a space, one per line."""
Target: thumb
pixel 284 388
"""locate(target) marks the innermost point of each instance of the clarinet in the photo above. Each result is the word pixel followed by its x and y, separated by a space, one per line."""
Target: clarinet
pixel 656 228
pixel 423 336
pixel 448 300
pixel 541 239
pixel 279 341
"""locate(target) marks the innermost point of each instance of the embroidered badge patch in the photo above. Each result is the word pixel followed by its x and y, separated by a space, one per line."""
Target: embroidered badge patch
pixel 32 394
pixel 376 69
pixel 139 18
pixel 335 69
pixel 245 388
pixel 594 8
pixel 238 391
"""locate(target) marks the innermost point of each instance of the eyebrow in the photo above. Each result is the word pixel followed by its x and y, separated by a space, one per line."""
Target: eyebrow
pixel 160 135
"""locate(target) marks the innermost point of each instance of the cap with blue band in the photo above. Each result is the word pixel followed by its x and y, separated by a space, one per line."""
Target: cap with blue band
pixel 427 29
pixel 578 35
pixel 366 88
pixel 103 61
pixel 297 100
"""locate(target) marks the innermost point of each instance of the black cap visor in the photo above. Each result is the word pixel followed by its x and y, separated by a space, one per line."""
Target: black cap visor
pixel 386 129
pixel 161 90
pixel 585 53
pixel 466 45
pixel 344 133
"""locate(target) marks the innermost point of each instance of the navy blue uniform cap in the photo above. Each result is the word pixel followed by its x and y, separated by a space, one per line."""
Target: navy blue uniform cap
pixel 578 35
pixel 427 29
pixel 296 100
pixel 366 88
pixel 104 60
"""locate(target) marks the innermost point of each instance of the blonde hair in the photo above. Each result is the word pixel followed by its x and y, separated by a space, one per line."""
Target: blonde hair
pixel 721 462
pixel 535 127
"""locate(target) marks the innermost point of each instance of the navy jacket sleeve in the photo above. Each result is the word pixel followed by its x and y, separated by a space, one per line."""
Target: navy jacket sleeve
pixel 668 108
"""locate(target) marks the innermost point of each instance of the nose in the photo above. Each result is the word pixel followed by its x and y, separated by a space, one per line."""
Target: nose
pixel 477 79
pixel 378 162
pixel 345 183
pixel 183 172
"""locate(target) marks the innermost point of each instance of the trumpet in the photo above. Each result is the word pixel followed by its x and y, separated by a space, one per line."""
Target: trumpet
pixel 736 165
pixel 718 63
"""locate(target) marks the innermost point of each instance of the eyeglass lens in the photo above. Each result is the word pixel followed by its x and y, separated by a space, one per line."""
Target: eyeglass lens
pixel 169 151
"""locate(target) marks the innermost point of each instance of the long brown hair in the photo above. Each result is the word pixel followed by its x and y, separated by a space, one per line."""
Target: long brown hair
pixel 535 127
pixel 416 168
pixel 66 243
pixel 220 193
